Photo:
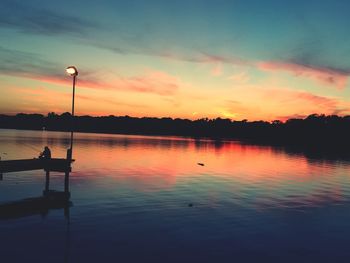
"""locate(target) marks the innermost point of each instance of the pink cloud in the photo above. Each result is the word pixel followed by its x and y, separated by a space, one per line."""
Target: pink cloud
pixel 289 95
pixel 155 82
pixel 324 75
pixel 317 100
pixel 304 103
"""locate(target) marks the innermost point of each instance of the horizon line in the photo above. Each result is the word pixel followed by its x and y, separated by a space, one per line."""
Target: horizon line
pixel 283 120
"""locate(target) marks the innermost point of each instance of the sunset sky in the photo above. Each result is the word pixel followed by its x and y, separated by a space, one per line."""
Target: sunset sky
pixel 237 59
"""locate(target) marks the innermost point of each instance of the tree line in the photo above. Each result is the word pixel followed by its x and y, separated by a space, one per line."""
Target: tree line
pixel 315 129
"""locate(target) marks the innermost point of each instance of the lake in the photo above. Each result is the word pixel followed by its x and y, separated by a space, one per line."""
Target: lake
pixel 146 199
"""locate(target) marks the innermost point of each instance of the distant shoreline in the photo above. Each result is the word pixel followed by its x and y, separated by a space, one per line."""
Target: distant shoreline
pixel 316 137
pixel 315 131
pixel 312 152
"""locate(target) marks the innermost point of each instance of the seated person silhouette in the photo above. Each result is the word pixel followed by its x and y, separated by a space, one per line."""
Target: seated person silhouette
pixel 46 154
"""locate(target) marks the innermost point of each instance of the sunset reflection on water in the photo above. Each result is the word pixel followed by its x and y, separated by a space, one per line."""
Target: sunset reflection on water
pixel 149 194
pixel 160 163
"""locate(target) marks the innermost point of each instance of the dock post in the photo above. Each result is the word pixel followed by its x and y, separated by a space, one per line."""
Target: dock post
pixel 67 212
pixel 66 182
pixel 69 154
pixel 47 181
pixel 68 169
pixel 1 177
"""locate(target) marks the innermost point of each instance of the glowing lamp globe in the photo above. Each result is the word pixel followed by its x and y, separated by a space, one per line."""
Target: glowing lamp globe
pixel 71 70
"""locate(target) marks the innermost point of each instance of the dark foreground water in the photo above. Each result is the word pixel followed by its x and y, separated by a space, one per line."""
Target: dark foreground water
pixel 145 199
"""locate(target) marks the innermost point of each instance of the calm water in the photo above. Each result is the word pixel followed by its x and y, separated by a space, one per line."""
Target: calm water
pixel 132 198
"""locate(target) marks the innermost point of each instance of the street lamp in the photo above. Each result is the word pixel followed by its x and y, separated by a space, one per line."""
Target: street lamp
pixel 72 71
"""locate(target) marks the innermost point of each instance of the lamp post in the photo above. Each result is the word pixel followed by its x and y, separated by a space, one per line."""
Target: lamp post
pixel 72 71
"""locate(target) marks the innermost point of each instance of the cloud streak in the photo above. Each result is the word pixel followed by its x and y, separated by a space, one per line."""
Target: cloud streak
pixel 36 20
pixel 23 63
pixel 324 75
pixel 305 103
pixel 30 19
pixel 32 66
pixel 153 82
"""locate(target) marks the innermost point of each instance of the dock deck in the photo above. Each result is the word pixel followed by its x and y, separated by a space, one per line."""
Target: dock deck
pixel 54 164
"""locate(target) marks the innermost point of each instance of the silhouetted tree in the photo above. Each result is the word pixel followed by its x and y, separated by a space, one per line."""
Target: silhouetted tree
pixel 315 129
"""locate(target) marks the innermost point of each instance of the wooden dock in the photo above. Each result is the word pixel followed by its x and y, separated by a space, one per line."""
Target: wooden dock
pixel 54 164
pixel 50 199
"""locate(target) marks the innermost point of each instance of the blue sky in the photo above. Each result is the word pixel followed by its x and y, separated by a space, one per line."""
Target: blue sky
pixel 167 52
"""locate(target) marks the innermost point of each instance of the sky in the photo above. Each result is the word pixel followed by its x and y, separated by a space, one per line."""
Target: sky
pixel 237 59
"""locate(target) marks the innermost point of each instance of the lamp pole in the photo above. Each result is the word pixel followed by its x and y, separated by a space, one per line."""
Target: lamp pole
pixel 74 77
pixel 72 71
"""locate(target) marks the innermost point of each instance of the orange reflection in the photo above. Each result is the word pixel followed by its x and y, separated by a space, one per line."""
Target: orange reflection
pixel 152 163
